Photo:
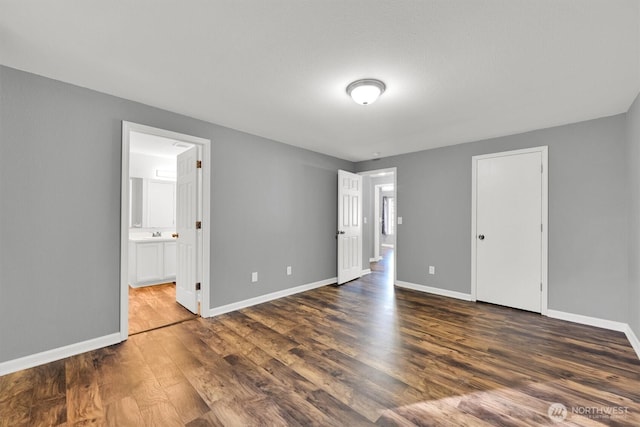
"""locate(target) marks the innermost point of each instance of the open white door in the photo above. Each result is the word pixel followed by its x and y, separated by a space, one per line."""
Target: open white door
pixel 349 226
pixel 186 210
pixel 510 221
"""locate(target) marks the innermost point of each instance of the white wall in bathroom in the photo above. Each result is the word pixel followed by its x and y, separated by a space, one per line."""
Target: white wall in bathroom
pixel 145 166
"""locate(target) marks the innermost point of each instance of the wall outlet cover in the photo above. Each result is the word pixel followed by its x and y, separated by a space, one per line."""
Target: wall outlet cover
pixel 254 277
pixel 432 269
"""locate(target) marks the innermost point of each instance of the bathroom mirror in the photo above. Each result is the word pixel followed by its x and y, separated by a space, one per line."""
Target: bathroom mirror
pixel 152 203
pixel 135 202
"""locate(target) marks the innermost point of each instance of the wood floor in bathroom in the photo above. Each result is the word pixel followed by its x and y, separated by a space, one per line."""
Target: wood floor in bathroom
pixel 152 307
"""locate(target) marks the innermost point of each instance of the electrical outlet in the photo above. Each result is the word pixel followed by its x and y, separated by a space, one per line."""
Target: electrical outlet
pixel 432 269
pixel 399 220
pixel 254 277
pixel 289 270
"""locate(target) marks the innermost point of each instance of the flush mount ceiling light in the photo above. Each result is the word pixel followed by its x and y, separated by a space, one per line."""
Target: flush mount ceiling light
pixel 366 91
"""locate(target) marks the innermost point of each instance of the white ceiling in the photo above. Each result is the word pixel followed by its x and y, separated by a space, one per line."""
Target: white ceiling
pixel 153 145
pixel 456 71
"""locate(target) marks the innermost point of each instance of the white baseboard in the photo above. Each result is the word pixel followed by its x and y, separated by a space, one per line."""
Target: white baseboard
pixel 375 259
pixel 633 339
pixel 365 272
pixel 48 356
pixel 387 245
pixel 435 291
pixel 268 297
pixel 599 323
pixel 586 320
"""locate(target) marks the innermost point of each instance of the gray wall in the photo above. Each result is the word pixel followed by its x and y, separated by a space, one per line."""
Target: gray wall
pixel 588 262
pixel 273 205
pixel 633 157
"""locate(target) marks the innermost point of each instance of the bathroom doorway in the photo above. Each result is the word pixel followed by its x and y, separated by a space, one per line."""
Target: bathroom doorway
pixel 157 279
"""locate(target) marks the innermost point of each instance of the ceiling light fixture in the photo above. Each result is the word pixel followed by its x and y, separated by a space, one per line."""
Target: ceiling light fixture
pixel 366 91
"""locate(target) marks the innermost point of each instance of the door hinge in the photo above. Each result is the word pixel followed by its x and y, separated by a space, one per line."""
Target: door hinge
pixel 540 286
pixel 198 164
pixel 541 230
pixel 541 168
pixel 198 225
pixel 198 286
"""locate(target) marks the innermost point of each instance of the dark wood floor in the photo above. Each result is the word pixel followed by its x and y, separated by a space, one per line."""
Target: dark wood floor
pixel 360 354
pixel 152 307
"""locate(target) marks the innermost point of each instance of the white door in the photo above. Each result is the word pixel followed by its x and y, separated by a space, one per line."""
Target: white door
pixel 349 226
pixel 186 208
pixel 509 229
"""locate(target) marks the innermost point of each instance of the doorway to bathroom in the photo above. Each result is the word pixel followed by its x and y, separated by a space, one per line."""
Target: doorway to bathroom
pixel 164 235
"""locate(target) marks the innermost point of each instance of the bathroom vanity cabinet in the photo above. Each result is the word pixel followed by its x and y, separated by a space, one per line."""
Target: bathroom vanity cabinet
pixel 152 260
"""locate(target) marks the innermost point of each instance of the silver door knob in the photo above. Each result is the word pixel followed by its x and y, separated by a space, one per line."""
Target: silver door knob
pixel 481 236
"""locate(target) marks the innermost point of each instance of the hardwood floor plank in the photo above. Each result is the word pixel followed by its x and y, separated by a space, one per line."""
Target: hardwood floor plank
pixel 364 353
pixel 154 306
pixel 124 413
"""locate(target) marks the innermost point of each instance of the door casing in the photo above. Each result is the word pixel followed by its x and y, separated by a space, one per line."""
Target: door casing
pixel 543 150
pixel 204 201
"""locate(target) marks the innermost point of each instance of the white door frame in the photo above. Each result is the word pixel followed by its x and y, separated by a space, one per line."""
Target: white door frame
pixel 394 170
pixel 543 150
pixel 205 198
pixel 376 222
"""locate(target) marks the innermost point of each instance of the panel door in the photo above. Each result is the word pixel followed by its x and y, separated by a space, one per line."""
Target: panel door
pixel 509 233
pixel 349 226
pixel 186 208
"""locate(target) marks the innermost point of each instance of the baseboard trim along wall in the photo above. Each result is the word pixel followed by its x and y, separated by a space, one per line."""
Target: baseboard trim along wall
pixel 586 320
pixel 216 311
pixel 435 291
pixel 365 272
pixel 633 339
pixel 599 323
pixel 48 356
pixel 555 314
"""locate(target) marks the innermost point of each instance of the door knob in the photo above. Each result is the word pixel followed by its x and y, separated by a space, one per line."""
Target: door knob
pixel 340 232
pixel 481 236
pixel 175 235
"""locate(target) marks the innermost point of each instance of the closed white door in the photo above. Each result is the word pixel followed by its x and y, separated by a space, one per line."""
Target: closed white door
pixel 186 209
pixel 509 229
pixel 349 226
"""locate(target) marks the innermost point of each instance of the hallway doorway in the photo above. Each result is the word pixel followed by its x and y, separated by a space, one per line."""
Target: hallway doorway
pixel 379 219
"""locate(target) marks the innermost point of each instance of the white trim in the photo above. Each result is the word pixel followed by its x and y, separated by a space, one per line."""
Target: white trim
pixel 633 339
pixel 587 320
pixel 365 272
pixel 48 356
pixel 435 291
pixel 387 245
pixel 374 259
pixel 216 311
pixel 599 323
pixel 205 145
pixel 544 151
